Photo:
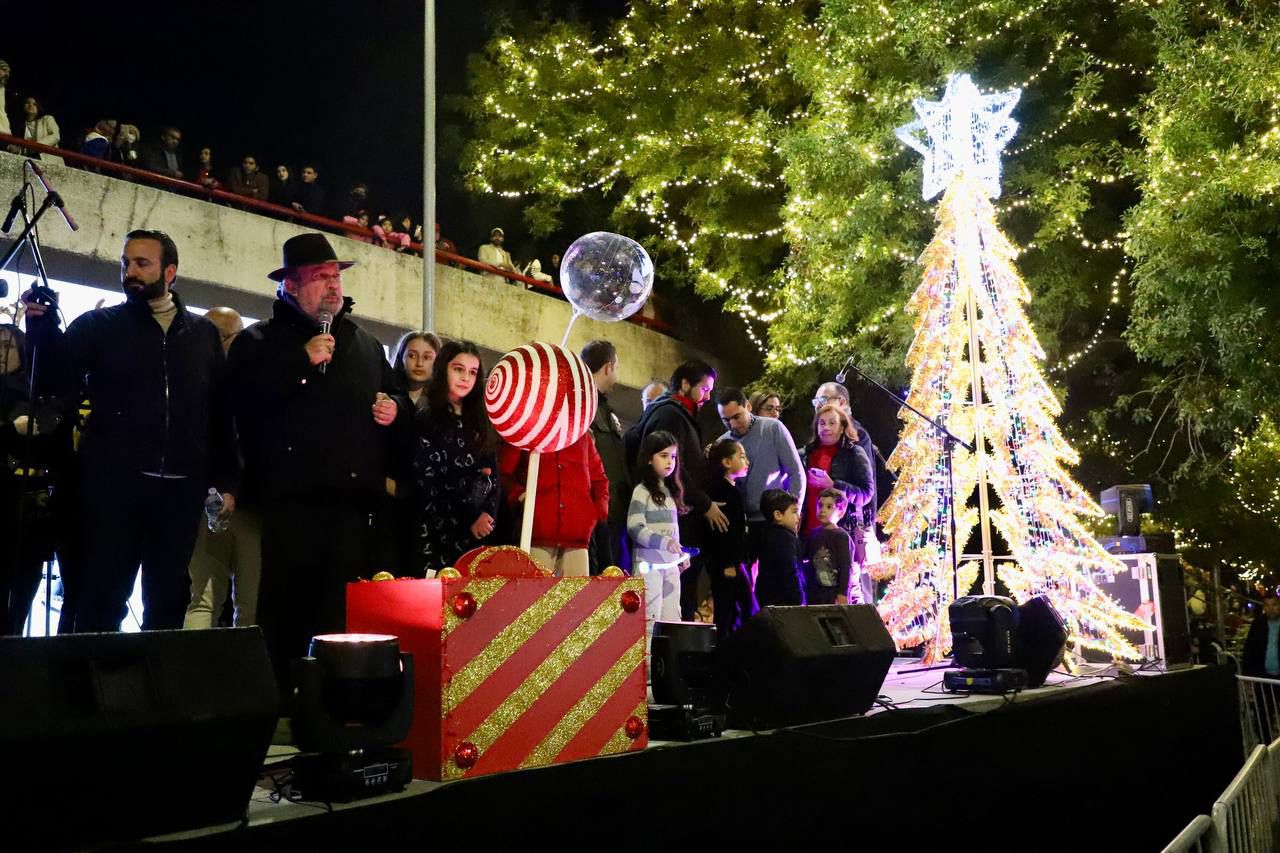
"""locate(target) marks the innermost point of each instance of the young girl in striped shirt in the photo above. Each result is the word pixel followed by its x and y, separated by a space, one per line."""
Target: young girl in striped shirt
pixel 652 524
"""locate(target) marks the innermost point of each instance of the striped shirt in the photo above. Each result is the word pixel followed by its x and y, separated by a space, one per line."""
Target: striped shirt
pixel 651 526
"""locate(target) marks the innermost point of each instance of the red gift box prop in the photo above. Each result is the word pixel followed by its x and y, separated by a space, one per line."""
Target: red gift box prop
pixel 514 668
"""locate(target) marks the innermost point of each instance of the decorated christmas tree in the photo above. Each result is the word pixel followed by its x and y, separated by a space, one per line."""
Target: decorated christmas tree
pixel 976 369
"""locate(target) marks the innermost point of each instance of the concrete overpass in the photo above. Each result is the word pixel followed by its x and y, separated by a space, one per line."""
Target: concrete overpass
pixel 225 255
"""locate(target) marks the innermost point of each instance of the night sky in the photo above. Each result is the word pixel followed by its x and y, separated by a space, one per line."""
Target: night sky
pixel 337 83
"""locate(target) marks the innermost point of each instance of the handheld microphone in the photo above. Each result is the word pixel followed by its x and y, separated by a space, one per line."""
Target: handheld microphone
pixel 14 208
pixel 4 288
pixel 844 371
pixel 57 199
pixel 326 321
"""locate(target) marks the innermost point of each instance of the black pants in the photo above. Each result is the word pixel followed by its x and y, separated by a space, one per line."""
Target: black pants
pixel 609 546
pixel 310 551
pixel 734 603
pixel 21 561
pixel 132 520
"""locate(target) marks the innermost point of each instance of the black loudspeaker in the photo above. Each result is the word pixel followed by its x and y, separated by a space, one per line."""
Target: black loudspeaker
pixel 1040 641
pixel 682 662
pixel 114 737
pixel 794 665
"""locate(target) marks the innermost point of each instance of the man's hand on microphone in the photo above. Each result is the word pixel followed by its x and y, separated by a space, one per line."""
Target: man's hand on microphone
pixel 320 349
pixel 384 410
pixel 33 308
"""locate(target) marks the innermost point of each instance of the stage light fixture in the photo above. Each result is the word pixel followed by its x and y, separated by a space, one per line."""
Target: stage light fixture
pixel 353 700
pixel 1000 646
pixel 687 701
pixel 1127 503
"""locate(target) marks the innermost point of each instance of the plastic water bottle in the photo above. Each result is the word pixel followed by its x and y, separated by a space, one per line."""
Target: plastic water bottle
pixel 213 510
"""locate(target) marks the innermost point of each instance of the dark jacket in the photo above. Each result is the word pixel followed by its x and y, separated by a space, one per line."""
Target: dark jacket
pixel 159 400
pixel 669 414
pixel 311 197
pixel 307 434
pixel 721 550
pixel 283 193
pixel 151 157
pixel 872 504
pixel 256 185
pixel 779 580
pixel 851 473
pixel 606 430
pixel 1254 659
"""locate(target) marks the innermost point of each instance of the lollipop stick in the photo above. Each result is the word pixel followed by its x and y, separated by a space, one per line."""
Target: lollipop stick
pixel 530 497
pixel 576 314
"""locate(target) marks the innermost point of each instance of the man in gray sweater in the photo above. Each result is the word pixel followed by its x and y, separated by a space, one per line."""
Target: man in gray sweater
pixel 774 460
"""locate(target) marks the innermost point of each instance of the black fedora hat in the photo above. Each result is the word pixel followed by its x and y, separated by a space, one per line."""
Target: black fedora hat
pixel 304 250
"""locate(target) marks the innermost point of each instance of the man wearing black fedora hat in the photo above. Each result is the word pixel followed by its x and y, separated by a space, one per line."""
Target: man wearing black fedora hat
pixel 311 399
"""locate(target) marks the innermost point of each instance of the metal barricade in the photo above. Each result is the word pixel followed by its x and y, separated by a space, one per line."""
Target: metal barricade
pixel 1244 817
pixel 1259 710
pixel 1194 839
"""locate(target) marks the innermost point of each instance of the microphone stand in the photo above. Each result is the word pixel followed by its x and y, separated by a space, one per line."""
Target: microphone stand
pixel 27 239
pixel 949 441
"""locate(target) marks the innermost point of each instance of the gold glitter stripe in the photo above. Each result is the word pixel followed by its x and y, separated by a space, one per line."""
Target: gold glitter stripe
pixel 522 698
pixel 511 638
pixel 587 707
pixel 482 589
pixel 620 742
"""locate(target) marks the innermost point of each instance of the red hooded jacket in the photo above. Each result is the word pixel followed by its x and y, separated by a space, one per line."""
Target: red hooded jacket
pixel 573 492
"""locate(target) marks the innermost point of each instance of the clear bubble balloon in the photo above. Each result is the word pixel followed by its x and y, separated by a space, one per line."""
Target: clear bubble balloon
pixel 606 276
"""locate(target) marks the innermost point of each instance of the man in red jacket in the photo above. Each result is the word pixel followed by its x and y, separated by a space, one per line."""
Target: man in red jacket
pixel 572 498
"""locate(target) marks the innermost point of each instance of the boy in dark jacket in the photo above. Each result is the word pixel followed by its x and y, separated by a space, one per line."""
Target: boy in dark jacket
pixel 828 552
pixel 779 581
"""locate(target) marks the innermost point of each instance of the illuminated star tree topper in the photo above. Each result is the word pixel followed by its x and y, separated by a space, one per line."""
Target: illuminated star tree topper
pixel 963 133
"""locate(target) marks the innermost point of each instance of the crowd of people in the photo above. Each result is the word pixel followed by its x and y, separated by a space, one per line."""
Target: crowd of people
pixel 297 187
pixel 265 467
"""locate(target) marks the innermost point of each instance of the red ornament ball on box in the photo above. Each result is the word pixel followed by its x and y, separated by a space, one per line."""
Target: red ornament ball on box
pixel 540 397
pixel 466 755
pixel 464 605
pixel 634 727
pixel 630 601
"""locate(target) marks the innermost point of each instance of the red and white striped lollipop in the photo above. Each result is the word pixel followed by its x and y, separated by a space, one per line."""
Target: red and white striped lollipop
pixel 540 397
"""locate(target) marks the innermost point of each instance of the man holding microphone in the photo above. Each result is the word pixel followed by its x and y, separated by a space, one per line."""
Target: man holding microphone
pixel 310 392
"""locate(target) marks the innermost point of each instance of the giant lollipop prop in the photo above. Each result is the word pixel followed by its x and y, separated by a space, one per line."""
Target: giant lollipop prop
pixel 539 398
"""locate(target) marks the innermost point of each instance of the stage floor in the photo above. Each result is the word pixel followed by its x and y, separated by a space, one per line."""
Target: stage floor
pixel 907 686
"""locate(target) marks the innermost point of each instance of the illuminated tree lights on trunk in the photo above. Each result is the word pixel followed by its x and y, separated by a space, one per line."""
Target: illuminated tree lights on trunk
pixel 976 367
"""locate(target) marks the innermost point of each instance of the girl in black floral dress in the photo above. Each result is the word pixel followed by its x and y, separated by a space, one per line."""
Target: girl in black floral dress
pixel 455 468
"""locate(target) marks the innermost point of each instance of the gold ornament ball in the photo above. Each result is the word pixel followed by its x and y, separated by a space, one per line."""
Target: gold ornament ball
pixel 384 576
pixel 613 572
pixel 449 574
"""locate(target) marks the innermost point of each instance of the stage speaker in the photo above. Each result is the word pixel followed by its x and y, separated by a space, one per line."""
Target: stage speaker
pixel 107 738
pixel 682 663
pixel 1040 640
pixel 793 665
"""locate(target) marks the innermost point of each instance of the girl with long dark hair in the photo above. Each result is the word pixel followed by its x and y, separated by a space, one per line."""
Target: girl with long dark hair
pixel 653 524
pixel 455 468
pixel 414 360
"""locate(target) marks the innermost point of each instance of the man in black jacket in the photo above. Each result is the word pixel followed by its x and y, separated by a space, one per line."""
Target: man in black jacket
pixel 311 407
pixel 676 412
pixel 1261 657
pixel 609 542
pixel 159 433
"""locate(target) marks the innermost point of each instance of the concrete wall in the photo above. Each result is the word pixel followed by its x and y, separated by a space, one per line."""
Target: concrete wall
pixel 226 254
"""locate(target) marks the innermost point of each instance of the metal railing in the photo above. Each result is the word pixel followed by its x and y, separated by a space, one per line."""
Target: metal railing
pixel 1259 710
pixel 266 208
pixel 1196 838
pixel 1244 817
